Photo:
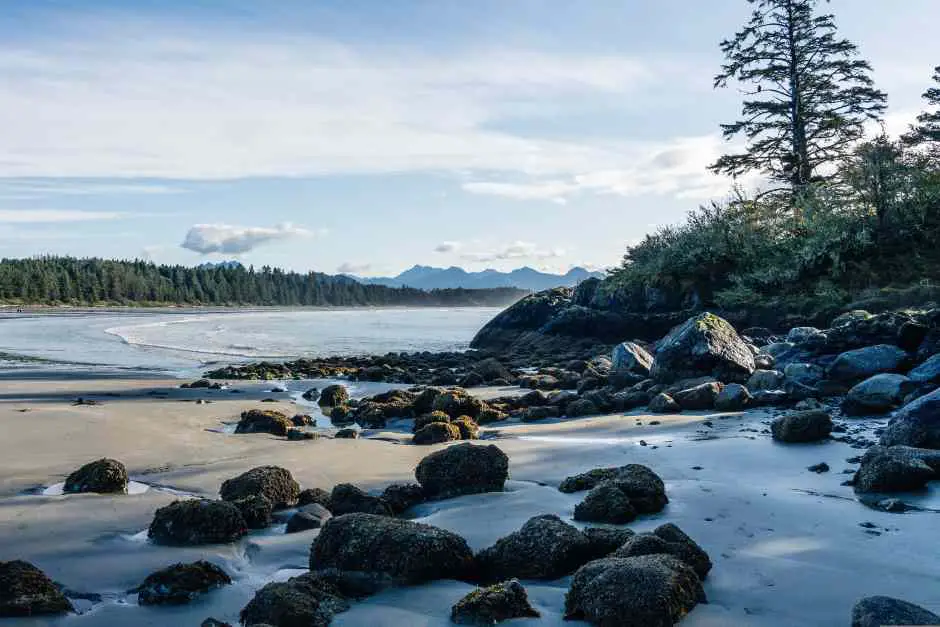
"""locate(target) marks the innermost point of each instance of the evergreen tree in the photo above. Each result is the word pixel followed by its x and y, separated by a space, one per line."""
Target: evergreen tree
pixel 810 94
pixel 926 132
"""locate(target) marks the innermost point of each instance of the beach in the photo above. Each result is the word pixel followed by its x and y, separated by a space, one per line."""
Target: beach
pixel 788 544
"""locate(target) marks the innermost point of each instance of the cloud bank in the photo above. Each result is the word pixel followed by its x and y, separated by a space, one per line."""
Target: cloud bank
pixel 206 239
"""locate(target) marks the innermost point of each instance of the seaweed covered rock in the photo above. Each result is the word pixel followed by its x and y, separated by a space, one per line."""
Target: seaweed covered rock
pixel 314 495
pixel 197 521
pixel 916 424
pixel 643 591
pixel 494 604
pixel 348 499
pixel 256 510
pixel 104 476
pixel 304 601
pixel 458 402
pixel 311 516
pixel 463 469
pixel 703 345
pixel 273 482
pixel 181 583
pixel 27 591
pixel 544 548
pixel 617 495
pixel 264 421
pixel 431 417
pixel 333 396
pixel 670 540
pixel 605 503
pixel 581 407
pixel 491 369
pixel 605 540
pixel 802 426
pixel 633 473
pixel 892 469
pixel 408 552
pixel 400 497
pixel 436 433
pixel 879 611
pixel 469 429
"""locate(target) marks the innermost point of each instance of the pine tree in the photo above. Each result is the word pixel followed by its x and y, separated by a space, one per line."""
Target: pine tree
pixel 926 132
pixel 810 94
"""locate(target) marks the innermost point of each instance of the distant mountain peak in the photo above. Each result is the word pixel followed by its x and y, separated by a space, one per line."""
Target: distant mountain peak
pixel 528 278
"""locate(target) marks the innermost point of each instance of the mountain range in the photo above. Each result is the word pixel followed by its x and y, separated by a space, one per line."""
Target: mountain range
pixel 427 278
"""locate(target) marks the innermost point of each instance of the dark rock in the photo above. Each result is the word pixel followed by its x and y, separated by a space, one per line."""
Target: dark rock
pixel 770 397
pixel 821 467
pixel 104 476
pixel 273 482
pixel 26 591
pixel 347 434
pixel 606 503
pixel 625 401
pixel 491 369
pixel 299 435
pixel 862 363
pixel 197 521
pixel 662 403
pixel 765 380
pixel 214 622
pixel 880 611
pixel 424 420
pixel 488 606
pixel 181 583
pixel 892 469
pixel 463 469
pixel 469 429
pixel 302 601
pixel 264 421
pixel 348 499
pixel 635 474
pixel 631 357
pixel 314 495
pixel 581 407
pixel 528 315
pixel 644 591
pixel 668 540
pixel 703 345
pixel 534 414
pixel 605 540
pixel 407 551
pixel 916 424
pixel 333 396
pixel 311 395
pixel 400 497
pixel 733 397
pixel 256 510
pixel 489 414
pixel 927 372
pixel 802 426
pixel 877 395
pixel 544 548
pixel 308 517
pixel 699 397
pixel 457 402
pixel 341 415
pixel 303 420
pixel 436 433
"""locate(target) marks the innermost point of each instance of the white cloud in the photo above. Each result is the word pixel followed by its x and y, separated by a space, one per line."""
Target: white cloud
pixel 235 240
pixel 448 247
pixel 352 268
pixel 35 216
pixel 516 250
pixel 25 189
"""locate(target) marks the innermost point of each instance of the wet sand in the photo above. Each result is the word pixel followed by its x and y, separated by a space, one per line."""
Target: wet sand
pixel 787 543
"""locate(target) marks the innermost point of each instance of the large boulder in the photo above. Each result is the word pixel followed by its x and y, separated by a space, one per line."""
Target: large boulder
pixel 458 402
pixel 631 357
pixel 893 327
pixel 893 469
pixel 527 315
pixel 928 372
pixel 304 601
pixel 488 606
pixel 802 426
pixel 634 474
pixel 197 521
pixel 581 407
pixel 765 380
pixel 861 363
pixel 264 421
pixel 436 433
pixel 662 403
pixel 733 397
pixel 492 369
pixel 544 548
pixel 643 591
pixel 463 469
pixel 406 551
pixel 272 482
pixel 877 395
pixel 181 583
pixel 105 476
pixel 348 499
pixel 620 500
pixel 668 539
pixel 333 396
pixel 311 516
pixel 26 591
pixel 703 345
pixel 256 510
pixel 701 396
pixel 400 497
pixel 879 611
pixel 916 424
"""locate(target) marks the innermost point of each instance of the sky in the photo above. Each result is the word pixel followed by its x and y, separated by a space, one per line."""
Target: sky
pixel 366 136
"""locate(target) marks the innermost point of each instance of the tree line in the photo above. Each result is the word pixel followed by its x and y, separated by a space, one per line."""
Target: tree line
pixel 67 280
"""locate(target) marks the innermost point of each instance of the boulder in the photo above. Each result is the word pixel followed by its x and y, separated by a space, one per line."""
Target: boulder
pixel 879 611
pixel 662 403
pixel 528 315
pixel 197 521
pixel 457 402
pixel 400 497
pixel 625 401
pixel 436 433
pixel 641 478
pixel 273 482
pixel 670 540
pixel 770 397
pixel 892 469
pixel 424 420
pixel 643 591
pixel 104 476
pixel 581 407
pixel 463 469
pixel 333 396
pixel 703 345
pixel 802 426
pixel 544 548
pixel 699 397
pixel 764 361
pixel 303 601
pixel 311 516
pixel 264 421
pixel 406 551
pixel 181 583
pixel 803 373
pixel 765 380
pixel 303 420
pixel 491 369
pixel 314 495
pixel 311 395
pixel 606 503
pixel 605 540
pixel 803 335
pixel 631 357
pixel 348 499
pixel 347 434
pixel 494 604
pixel 927 372
pixel 861 363
pixel 26 591
pixel 916 424
pixel 849 317
pixel 256 510
pixel 733 397
pixel 534 414
pixel 892 327
pixel 469 429
pixel 876 395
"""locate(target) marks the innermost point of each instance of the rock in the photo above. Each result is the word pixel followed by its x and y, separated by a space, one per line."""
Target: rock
pixel 764 361
pixel 347 434
pixel 803 335
pixel 469 430
pixel 703 345
pixel 606 503
pixel 424 420
pixel 534 414
pixel 544 548
pixel 605 540
pixel 488 415
pixel 630 490
pixel 644 591
pixel 892 327
pixel 273 482
pixel 662 403
pixel 804 373
pixel 314 495
pixel 491 369
pixel 299 435
pixel 181 583
pixel 861 363
pixel 26 591
pixel 879 611
pixel 892 470
pixel 625 401
pixel 311 395
pixel 636 474
pixel 850 317
pixel 457 402
pixel 104 476
pixel 303 420
pixel 670 540
pixel 407 551
pixel 699 397
pixel 400 497
pixel 197 521
pixel 581 407
pixel 819 468
pixel 770 397
pixel 333 396
pixel 631 357
pixel 311 516
pixel 463 469
pixel 802 426
pixel 264 421
pixel 348 499
pixel 765 380
pixel 528 315
pixel 436 433
pixel 927 372
pixel 877 395
pixel 256 510
pixel 471 380
pixel 213 622
pixel 916 424
pixel 303 601
pixel 488 606
pixel 733 397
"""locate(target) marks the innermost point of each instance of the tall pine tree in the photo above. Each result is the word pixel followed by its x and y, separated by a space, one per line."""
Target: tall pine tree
pixel 926 132
pixel 808 95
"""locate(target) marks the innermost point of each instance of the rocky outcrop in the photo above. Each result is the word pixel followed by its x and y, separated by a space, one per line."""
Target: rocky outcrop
pixel 802 426
pixel 400 497
pixel 879 611
pixel 698 397
pixel 181 583
pixel 256 510
pixel 463 469
pixel 197 521
pixel 631 357
pixel 895 469
pixel 264 421
pixel 877 395
pixel 635 474
pixel 861 363
pixel 436 433
pixel 662 403
pixel 26 591
pixel 670 540
pixel 406 551
pixel 526 316
pixel 494 604
pixel 348 499
pixel 333 396
pixel 544 548
pixel 733 397
pixel 272 482
pixel 916 424
pixel 104 476
pixel 304 601
pixel 703 345
pixel 458 402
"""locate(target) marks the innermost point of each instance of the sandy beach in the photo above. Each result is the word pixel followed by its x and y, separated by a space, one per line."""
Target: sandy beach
pixel 787 543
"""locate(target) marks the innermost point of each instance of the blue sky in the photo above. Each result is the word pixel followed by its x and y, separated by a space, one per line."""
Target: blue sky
pixel 366 136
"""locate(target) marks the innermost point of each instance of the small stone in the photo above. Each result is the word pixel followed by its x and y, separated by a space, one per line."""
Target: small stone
pixel 821 467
